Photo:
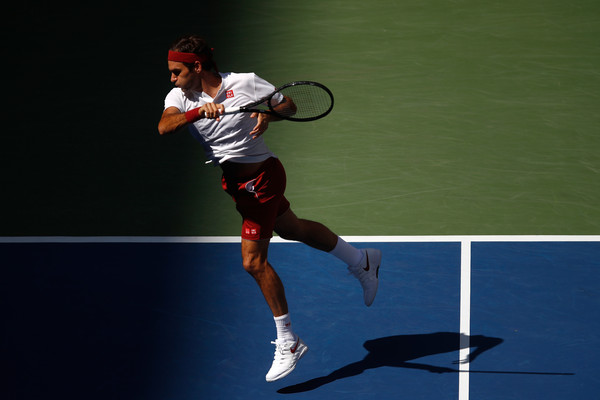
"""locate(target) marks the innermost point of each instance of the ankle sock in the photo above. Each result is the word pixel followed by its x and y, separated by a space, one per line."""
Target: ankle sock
pixel 284 329
pixel 347 253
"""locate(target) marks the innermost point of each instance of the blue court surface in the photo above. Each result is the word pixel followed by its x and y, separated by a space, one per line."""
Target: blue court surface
pixel 180 319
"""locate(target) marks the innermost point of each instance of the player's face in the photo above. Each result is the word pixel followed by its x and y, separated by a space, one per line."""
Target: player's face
pixel 181 76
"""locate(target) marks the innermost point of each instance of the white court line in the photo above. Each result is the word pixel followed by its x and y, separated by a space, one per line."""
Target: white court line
pixel 236 239
pixel 465 319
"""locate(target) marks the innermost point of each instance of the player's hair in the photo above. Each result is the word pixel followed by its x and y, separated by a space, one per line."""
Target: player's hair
pixel 197 45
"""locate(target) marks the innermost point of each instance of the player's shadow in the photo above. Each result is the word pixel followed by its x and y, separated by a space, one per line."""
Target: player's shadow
pixel 398 351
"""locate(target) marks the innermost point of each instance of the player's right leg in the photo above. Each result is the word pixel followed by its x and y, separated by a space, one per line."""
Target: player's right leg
pixel 362 263
pixel 311 233
pixel 367 273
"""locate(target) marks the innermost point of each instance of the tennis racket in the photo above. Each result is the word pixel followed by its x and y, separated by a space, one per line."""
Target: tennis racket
pixel 310 101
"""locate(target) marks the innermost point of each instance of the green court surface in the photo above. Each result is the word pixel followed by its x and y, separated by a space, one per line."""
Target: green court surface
pixel 451 117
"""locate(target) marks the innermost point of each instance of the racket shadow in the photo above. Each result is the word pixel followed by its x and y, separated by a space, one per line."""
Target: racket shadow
pixel 398 351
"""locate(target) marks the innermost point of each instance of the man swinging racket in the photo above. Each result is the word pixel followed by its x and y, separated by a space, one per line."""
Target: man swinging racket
pixel 254 177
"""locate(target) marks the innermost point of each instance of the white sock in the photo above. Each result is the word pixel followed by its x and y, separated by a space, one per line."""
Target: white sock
pixel 284 329
pixel 347 253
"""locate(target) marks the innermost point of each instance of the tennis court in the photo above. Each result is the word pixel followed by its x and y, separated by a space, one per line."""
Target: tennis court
pixel 463 142
pixel 166 318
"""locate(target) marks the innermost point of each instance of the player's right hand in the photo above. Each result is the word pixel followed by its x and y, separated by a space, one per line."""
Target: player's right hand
pixel 212 111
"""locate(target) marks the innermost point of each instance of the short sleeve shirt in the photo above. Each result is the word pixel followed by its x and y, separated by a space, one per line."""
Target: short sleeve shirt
pixel 227 139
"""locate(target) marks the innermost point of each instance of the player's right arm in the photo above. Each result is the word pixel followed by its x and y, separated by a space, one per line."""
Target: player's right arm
pixel 173 119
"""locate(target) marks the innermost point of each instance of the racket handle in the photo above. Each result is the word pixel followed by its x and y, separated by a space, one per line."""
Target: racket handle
pixel 231 110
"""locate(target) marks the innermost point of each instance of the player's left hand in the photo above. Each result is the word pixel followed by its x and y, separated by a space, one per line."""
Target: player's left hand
pixel 261 126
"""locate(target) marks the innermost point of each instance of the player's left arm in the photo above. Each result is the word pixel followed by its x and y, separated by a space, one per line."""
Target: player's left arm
pixel 285 107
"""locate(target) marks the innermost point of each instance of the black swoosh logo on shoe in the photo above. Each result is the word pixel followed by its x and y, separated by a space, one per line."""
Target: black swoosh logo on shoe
pixel 368 267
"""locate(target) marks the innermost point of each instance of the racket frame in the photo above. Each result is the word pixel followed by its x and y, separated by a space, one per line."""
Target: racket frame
pixel 251 107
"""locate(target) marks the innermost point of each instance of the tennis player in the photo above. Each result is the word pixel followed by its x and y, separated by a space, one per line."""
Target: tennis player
pixel 254 177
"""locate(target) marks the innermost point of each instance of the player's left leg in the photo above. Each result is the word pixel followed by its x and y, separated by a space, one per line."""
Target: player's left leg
pixel 254 260
pixel 289 348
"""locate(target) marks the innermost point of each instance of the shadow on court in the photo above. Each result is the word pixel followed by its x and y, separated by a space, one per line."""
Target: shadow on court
pixel 399 351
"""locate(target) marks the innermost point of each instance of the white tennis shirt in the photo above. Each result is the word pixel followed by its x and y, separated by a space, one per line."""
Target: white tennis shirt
pixel 228 139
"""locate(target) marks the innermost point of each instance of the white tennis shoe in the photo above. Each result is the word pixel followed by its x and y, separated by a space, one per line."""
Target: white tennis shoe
pixel 287 355
pixel 367 272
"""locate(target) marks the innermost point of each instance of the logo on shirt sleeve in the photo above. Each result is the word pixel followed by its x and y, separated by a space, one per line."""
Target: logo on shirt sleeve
pixel 229 94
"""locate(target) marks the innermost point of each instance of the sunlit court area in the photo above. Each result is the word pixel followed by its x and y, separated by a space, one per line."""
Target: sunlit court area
pixel 463 143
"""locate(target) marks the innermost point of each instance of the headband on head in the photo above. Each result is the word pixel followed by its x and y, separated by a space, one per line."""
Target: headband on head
pixel 188 58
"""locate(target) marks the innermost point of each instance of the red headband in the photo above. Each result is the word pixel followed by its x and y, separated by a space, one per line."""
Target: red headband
pixel 188 58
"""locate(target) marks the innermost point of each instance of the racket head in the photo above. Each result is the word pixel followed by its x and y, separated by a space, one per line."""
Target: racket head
pixel 312 101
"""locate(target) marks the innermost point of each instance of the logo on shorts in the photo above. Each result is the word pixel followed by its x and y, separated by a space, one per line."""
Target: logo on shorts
pixel 229 94
pixel 250 187
pixel 250 231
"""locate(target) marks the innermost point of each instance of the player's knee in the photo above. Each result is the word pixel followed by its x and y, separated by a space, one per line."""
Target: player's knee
pixel 254 264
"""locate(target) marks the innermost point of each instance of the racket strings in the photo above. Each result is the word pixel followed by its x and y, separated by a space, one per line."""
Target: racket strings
pixel 311 101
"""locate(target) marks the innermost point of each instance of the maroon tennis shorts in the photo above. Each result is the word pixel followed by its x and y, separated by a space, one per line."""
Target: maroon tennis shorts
pixel 259 199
